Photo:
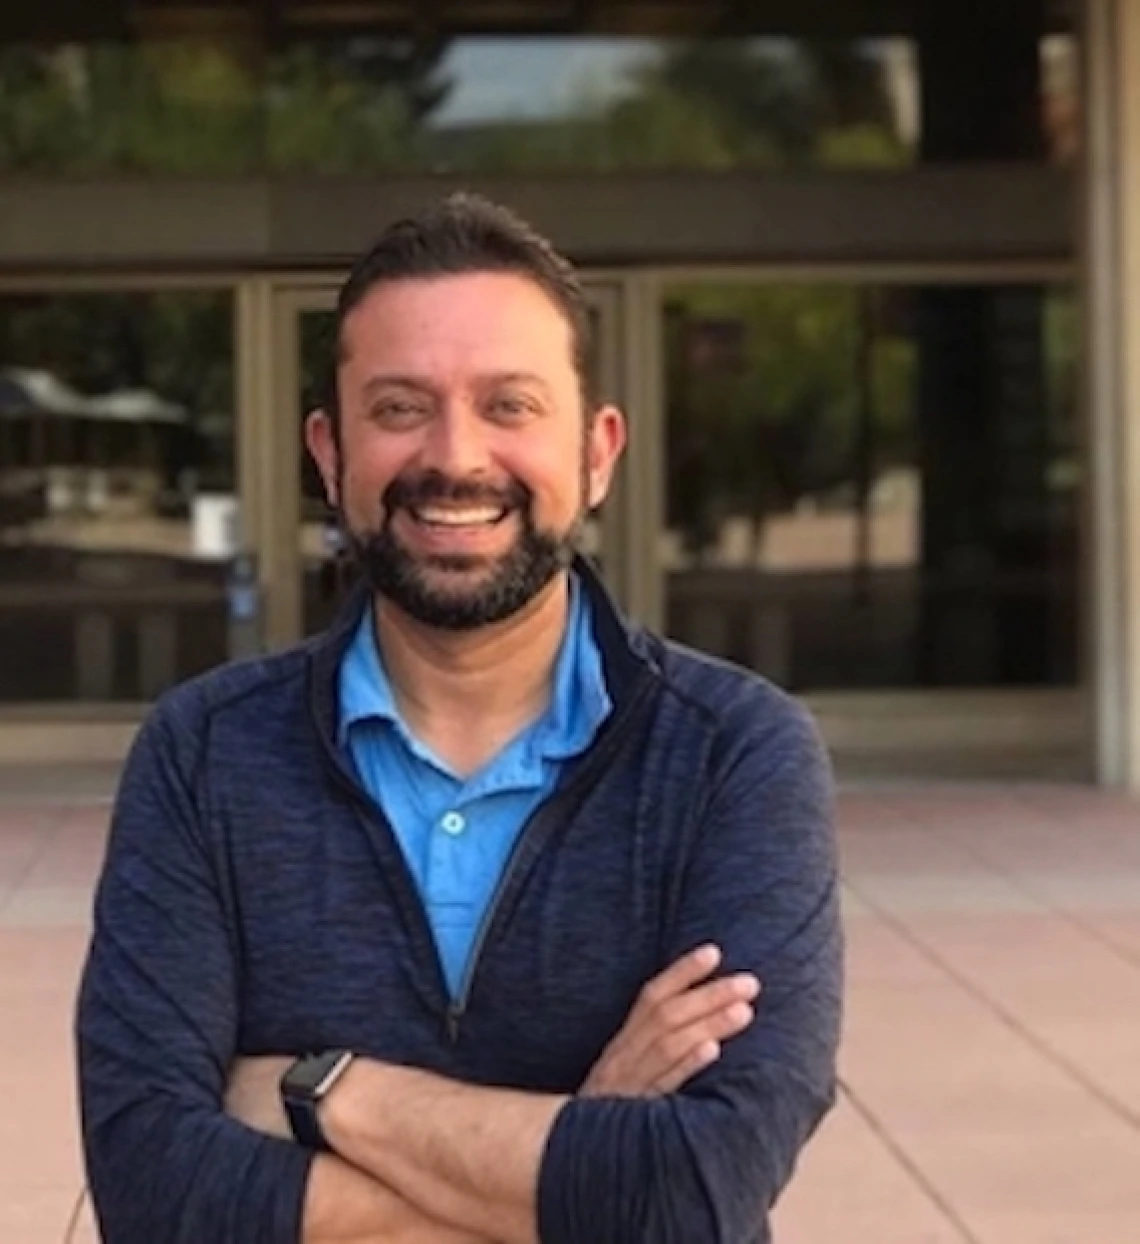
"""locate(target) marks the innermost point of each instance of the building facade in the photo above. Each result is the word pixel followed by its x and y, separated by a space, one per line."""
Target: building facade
pixel 866 278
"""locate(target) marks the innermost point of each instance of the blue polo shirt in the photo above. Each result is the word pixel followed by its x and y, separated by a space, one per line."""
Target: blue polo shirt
pixel 456 834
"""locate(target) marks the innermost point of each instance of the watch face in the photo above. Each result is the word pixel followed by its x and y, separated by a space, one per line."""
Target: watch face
pixel 309 1075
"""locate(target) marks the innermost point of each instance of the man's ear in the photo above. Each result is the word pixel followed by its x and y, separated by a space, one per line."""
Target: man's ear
pixel 605 442
pixel 322 444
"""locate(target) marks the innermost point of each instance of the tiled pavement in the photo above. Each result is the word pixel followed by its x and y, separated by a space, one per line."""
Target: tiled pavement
pixel 992 1055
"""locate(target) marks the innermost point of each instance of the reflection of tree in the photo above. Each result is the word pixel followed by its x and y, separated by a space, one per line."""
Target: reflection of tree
pixel 773 420
pixel 178 344
pixel 771 104
pixel 197 107
pixel 360 105
pixel 162 107
pixel 353 107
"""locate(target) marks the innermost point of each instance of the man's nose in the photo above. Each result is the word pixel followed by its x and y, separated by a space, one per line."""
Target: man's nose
pixel 456 443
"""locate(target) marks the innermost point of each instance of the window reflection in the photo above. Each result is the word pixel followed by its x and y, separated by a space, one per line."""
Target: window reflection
pixel 116 474
pixel 874 487
pixel 465 104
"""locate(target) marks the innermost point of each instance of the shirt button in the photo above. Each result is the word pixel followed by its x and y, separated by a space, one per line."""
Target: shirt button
pixel 453 823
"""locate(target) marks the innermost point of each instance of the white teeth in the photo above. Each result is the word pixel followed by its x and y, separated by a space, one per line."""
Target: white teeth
pixel 459 518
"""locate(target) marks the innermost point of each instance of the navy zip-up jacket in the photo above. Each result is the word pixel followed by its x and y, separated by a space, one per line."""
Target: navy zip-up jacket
pixel 254 901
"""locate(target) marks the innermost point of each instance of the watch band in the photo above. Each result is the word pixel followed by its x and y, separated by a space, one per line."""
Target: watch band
pixel 304 1124
pixel 303 1086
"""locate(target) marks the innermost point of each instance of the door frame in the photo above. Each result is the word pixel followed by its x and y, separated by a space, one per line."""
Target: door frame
pixel 270 449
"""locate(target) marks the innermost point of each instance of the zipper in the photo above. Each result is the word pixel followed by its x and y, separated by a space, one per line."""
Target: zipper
pixel 619 728
pixel 456 1006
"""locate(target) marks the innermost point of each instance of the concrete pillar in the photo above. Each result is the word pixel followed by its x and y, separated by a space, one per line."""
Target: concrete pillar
pixel 1111 265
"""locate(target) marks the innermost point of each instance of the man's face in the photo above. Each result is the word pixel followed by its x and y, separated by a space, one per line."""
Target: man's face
pixel 466 461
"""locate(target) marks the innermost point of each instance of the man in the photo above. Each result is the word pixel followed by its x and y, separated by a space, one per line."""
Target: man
pixel 485 916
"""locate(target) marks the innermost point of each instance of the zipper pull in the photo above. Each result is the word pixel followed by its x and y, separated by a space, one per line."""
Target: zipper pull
pixel 454 1015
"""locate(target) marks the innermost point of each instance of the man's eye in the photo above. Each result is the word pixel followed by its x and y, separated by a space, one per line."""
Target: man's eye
pixel 398 412
pixel 511 408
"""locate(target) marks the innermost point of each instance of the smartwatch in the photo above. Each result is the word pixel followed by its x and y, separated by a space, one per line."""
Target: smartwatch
pixel 307 1082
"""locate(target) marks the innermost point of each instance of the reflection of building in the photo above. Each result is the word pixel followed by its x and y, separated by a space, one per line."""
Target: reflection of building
pixel 63 453
pixel 839 277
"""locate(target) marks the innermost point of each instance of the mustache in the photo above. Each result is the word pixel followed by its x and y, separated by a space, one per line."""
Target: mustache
pixel 412 491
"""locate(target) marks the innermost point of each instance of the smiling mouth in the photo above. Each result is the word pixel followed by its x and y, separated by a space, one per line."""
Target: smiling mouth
pixel 451 517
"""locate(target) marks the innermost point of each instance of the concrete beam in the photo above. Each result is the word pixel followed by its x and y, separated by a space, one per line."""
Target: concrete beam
pixel 965 213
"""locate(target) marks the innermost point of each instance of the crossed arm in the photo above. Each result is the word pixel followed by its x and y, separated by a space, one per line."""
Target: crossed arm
pixel 422 1157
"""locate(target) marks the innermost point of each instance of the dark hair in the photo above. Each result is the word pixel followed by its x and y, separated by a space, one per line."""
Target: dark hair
pixel 463 233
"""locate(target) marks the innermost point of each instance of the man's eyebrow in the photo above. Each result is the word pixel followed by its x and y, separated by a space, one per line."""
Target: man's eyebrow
pixel 396 380
pixel 400 380
pixel 515 377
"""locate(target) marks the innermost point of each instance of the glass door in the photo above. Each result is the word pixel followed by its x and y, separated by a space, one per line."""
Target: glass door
pixel 873 485
pixel 871 493
pixel 306 573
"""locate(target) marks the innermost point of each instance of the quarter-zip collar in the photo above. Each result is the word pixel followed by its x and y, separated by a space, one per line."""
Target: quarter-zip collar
pixel 628 654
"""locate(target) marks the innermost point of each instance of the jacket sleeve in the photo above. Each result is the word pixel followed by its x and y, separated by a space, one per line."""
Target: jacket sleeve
pixel 156 1027
pixel 707 1163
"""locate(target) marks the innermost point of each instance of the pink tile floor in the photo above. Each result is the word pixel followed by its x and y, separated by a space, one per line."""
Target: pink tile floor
pixel 992 1055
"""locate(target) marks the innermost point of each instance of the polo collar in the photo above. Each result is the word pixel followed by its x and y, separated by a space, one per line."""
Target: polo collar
pixel 629 654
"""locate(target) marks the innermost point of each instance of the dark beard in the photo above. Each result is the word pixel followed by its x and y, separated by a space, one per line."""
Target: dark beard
pixel 508 583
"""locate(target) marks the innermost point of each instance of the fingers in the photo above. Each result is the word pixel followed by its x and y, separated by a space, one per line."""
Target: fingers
pixel 702 1000
pixel 676 1027
pixel 664 1060
pixel 692 1049
pixel 664 1030
pixel 694 1062
pixel 682 975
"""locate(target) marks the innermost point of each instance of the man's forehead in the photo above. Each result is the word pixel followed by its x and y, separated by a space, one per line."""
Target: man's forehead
pixel 438 314
pixel 489 288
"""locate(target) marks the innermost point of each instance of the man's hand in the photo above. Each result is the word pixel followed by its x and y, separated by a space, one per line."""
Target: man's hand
pixel 253 1094
pixel 471 1156
pixel 675 1029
